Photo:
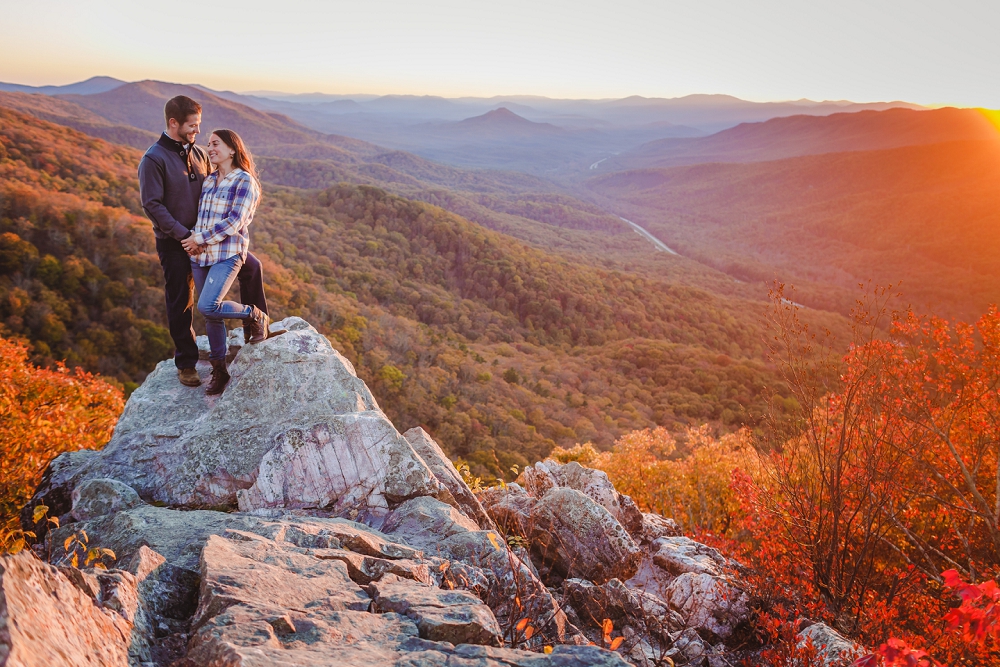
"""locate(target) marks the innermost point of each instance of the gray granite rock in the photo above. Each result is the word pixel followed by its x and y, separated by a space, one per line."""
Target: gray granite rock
pixel 573 536
pixel 97 497
pixel 655 526
pixel 678 555
pixel 267 602
pixel 295 428
pixel 454 616
pixel 544 475
pixel 712 605
pixel 351 544
pixel 423 522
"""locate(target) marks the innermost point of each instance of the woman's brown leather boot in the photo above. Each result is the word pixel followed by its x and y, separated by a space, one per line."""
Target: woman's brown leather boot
pixel 220 377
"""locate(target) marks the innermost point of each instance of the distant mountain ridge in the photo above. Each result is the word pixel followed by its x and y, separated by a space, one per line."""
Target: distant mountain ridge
pixel 95 84
pixel 706 111
pixel 793 136
pixel 568 135
pixel 140 105
pixel 64 112
pixel 504 123
pixel 710 112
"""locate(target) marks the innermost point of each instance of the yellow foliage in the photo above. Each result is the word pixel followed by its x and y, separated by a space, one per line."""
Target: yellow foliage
pixel 584 454
pixel 692 488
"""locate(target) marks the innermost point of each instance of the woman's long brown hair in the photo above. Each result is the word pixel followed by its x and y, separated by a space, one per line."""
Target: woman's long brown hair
pixel 242 159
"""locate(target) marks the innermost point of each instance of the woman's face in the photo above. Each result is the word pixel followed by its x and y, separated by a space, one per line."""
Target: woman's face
pixel 218 152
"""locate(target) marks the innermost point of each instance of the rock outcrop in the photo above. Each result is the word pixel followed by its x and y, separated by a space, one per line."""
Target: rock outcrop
pixel 671 596
pixel 295 428
pixel 288 522
pixel 594 484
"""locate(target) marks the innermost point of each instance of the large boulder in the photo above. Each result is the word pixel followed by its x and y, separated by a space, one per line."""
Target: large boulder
pixel 711 605
pixel 424 522
pixel 568 533
pixel 573 536
pixel 46 619
pixel 544 475
pixel 295 428
pixel 655 526
pixel 97 497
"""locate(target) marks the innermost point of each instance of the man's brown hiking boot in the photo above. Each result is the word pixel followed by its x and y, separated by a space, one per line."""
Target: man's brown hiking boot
pixel 188 377
pixel 220 378
pixel 257 325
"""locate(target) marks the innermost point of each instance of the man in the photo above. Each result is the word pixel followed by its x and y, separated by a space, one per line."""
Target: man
pixel 170 177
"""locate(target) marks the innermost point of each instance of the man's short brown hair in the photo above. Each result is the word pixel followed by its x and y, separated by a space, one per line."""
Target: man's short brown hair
pixel 179 108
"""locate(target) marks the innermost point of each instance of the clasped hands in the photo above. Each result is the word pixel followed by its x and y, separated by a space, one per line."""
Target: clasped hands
pixel 191 247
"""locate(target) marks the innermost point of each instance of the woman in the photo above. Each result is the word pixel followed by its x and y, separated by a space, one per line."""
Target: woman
pixel 218 246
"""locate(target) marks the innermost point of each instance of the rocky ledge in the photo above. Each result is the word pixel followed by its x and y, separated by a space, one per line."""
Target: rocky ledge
pixel 287 522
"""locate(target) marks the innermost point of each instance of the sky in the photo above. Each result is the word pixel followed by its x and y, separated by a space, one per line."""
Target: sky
pixel 872 50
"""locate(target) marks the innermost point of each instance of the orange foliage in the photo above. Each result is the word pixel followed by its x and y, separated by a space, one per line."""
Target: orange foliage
pixel 44 413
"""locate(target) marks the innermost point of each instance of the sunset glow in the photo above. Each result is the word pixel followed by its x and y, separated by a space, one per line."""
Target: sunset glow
pixel 928 53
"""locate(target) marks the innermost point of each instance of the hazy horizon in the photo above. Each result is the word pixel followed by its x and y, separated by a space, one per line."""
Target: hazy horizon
pixel 925 53
pixel 515 95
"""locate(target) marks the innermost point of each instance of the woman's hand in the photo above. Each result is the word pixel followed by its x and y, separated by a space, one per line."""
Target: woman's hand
pixel 191 246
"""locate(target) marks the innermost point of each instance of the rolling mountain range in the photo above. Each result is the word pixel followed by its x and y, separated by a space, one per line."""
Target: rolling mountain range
pixel 533 209
pixel 141 105
pixel 708 113
pixel 461 290
pixel 500 349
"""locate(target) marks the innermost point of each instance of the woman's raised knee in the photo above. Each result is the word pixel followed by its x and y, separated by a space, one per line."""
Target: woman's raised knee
pixel 209 309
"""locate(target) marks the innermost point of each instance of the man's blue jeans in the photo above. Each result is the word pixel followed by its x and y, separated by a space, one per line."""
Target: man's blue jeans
pixel 213 283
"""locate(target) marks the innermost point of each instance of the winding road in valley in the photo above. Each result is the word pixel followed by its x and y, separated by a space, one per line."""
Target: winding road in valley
pixel 660 245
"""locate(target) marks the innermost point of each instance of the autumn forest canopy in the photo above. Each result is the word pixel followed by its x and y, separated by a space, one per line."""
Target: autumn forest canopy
pixel 811 382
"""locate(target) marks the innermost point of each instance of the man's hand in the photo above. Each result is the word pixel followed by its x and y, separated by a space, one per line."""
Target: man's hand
pixel 190 245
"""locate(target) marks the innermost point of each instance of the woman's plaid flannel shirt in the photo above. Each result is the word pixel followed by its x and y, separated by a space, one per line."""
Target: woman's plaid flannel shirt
pixel 224 214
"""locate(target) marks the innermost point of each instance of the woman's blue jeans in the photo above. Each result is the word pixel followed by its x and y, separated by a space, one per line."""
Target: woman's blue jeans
pixel 213 283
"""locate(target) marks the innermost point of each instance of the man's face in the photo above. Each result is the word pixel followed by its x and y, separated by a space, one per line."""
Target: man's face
pixel 188 130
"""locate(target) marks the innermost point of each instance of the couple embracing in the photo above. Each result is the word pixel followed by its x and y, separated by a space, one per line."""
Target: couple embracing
pixel 201 204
